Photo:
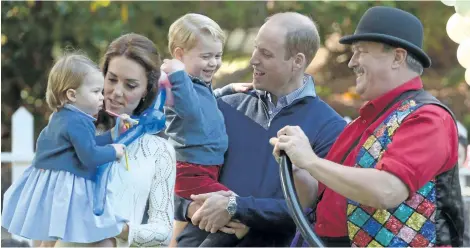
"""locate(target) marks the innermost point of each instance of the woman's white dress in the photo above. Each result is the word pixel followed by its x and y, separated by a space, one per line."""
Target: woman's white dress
pixel 151 176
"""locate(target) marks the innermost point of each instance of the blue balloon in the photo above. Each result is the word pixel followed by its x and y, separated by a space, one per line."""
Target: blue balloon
pixel 151 121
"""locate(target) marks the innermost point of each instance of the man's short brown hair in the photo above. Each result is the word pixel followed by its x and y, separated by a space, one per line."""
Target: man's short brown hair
pixel 302 34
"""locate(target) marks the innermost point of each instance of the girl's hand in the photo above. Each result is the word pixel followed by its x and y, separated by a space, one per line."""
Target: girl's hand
pixel 120 150
pixel 125 122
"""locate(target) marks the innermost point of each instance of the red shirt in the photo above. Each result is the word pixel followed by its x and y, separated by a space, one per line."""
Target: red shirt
pixel 424 146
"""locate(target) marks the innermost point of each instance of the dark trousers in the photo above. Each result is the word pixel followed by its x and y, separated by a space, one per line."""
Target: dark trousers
pixel 192 236
pixel 220 239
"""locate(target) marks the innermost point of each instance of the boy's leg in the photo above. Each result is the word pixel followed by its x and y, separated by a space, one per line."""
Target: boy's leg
pixel 191 236
pixel 178 227
pixel 193 179
pixel 220 239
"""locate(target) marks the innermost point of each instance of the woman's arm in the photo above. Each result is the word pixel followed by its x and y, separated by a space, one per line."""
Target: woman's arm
pixel 158 231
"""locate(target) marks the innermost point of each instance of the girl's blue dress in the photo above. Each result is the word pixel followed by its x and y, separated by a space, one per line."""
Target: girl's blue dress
pixel 50 204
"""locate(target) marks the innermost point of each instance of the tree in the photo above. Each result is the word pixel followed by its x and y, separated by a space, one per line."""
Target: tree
pixel 35 32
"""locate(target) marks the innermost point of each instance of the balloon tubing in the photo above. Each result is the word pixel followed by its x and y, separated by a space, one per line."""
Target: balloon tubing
pixel 288 188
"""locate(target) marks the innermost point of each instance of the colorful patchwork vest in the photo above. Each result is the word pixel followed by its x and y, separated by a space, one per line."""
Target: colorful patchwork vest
pixel 432 216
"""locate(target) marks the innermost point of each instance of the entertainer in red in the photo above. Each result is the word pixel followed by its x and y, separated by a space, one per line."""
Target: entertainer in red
pixel 391 178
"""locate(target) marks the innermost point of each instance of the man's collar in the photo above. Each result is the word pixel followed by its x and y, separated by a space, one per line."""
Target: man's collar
pixel 308 90
pixel 373 107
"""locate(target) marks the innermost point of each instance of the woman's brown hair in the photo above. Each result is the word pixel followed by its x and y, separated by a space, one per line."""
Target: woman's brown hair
pixel 143 51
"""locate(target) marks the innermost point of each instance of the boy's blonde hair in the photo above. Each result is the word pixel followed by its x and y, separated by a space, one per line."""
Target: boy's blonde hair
pixel 67 73
pixel 184 32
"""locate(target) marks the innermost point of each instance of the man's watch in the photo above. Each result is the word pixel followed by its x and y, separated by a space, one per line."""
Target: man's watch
pixel 232 205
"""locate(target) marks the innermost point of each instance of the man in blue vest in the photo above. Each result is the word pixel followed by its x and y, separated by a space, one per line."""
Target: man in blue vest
pixel 391 178
pixel 284 94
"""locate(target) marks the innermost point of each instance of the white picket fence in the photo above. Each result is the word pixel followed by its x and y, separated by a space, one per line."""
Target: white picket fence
pixel 22 142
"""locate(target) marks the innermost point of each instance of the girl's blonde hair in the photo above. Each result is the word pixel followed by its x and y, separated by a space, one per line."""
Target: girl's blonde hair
pixel 67 73
pixel 185 31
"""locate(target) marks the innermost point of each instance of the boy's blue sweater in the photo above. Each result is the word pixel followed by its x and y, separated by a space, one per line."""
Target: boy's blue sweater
pixel 195 125
pixel 69 143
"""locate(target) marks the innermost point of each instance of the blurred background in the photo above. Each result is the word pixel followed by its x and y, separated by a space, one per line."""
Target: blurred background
pixel 33 33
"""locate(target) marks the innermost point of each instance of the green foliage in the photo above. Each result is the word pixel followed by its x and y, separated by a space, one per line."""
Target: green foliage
pixel 34 32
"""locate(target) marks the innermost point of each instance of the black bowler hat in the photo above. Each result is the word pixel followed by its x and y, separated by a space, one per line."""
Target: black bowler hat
pixel 391 26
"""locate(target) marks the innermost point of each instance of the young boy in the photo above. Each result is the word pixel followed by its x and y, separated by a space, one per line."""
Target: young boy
pixel 195 125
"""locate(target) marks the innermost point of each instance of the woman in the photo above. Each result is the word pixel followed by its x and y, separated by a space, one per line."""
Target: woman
pixel 131 67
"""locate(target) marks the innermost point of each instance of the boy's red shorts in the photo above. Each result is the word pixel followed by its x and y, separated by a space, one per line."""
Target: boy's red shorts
pixel 193 179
